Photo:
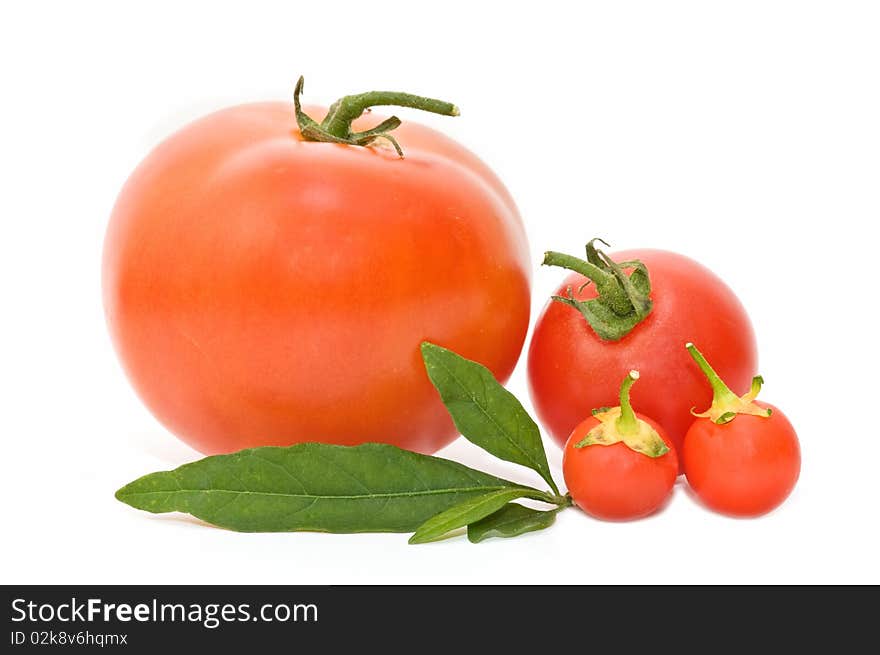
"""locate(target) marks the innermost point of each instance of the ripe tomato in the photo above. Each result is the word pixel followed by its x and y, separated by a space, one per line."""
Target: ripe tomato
pixel 262 289
pixel 742 456
pixel 572 370
pixel 743 468
pixel 607 477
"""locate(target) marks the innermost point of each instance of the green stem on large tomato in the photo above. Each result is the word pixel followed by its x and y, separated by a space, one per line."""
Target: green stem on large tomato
pixel 345 110
pixel 622 300
pixel 606 283
pixel 336 126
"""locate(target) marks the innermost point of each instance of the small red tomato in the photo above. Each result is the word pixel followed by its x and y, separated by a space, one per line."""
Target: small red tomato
pixel 741 457
pixel 619 465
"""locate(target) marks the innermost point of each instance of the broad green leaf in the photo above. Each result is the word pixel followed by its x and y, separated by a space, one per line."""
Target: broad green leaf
pixel 467 512
pixel 510 521
pixel 312 486
pixel 484 411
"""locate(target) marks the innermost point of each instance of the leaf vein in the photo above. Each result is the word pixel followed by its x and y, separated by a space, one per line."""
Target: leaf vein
pixel 393 494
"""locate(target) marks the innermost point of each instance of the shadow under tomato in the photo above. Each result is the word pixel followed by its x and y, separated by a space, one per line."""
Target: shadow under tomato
pixel 657 512
pixel 736 517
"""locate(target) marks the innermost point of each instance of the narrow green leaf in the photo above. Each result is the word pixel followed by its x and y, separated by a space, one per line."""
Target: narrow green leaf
pixel 510 521
pixel 467 512
pixel 312 486
pixel 484 411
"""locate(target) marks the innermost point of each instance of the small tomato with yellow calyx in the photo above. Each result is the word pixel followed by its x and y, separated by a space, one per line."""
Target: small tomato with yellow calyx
pixel 619 465
pixel 742 457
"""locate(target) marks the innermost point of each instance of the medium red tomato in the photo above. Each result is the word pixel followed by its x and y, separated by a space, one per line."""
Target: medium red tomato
pixel 571 369
pixel 742 456
pixel 262 288
pixel 619 465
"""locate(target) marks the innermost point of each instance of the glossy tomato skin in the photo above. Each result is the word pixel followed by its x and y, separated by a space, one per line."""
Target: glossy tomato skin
pixel 572 371
pixel 263 290
pixel 746 467
pixel 615 483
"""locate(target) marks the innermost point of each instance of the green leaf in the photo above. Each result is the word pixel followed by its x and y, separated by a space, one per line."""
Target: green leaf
pixel 484 411
pixel 312 486
pixel 510 521
pixel 467 512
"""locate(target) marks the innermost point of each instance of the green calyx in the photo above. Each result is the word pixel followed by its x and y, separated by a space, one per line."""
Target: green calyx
pixel 336 126
pixel 726 405
pixel 620 424
pixel 623 299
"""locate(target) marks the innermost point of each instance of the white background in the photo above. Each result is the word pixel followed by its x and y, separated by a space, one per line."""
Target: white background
pixel 744 134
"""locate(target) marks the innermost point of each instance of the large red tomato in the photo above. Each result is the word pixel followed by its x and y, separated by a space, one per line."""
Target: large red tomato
pixel 572 370
pixel 262 289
